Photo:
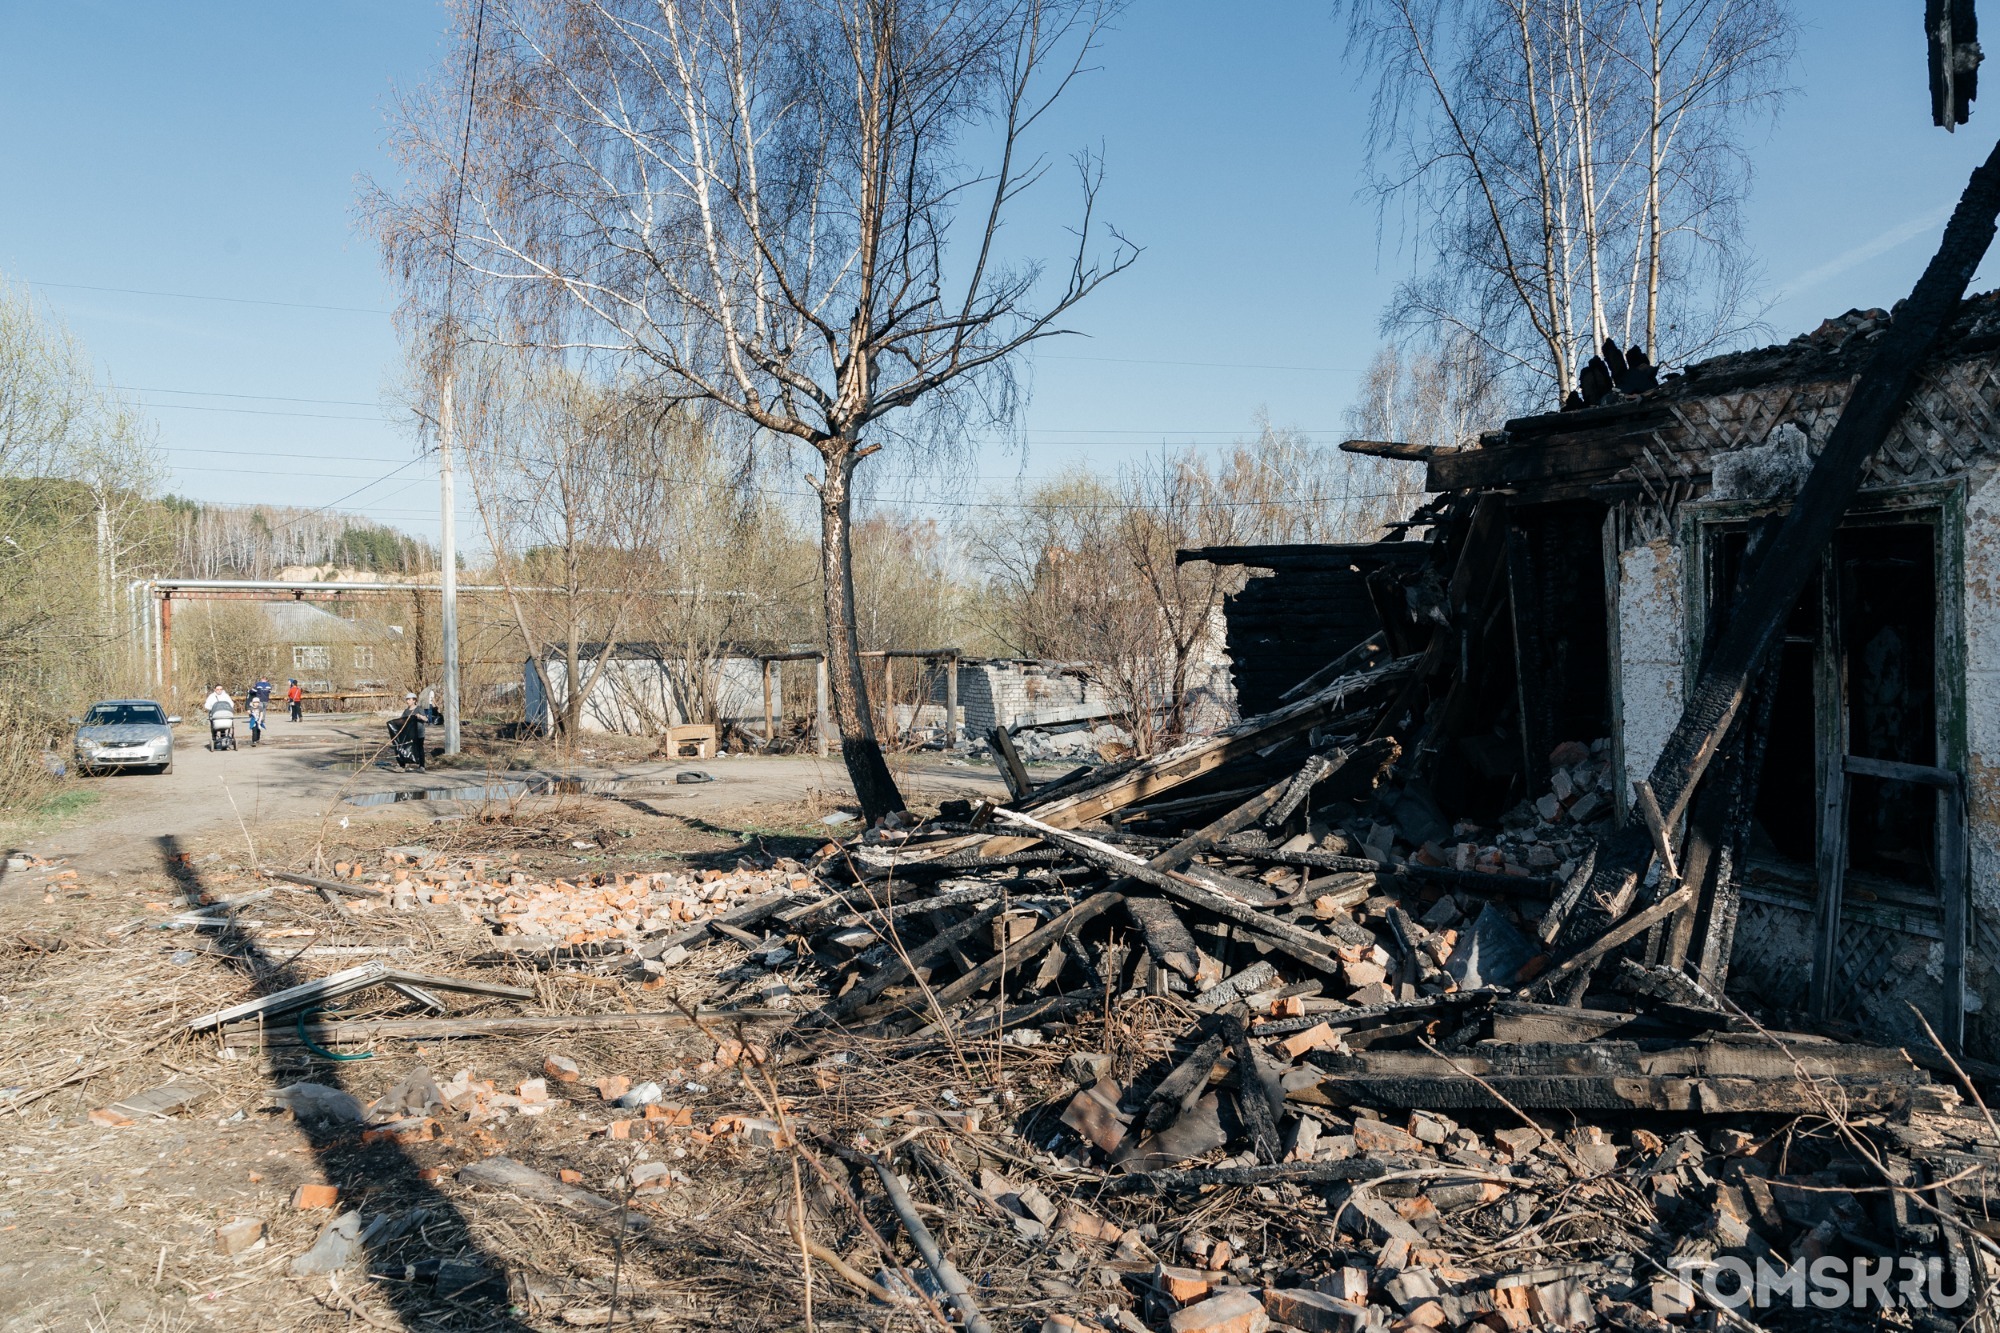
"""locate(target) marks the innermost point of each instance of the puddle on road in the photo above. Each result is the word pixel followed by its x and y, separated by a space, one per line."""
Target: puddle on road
pixel 507 789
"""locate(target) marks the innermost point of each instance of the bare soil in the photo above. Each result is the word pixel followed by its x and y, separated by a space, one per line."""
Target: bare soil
pixel 116 1227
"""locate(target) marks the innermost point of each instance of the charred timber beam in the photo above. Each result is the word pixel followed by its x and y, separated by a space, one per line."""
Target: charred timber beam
pixel 1319 555
pixel 1398 449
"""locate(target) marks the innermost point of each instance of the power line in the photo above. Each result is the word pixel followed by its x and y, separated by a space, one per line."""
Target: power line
pixel 262 397
pixel 263 412
pixel 1212 365
pixel 202 296
pixel 272 453
pixel 887 502
pixel 259 472
pixel 349 496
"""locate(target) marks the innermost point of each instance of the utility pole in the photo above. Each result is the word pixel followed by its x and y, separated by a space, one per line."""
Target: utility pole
pixel 447 378
pixel 448 557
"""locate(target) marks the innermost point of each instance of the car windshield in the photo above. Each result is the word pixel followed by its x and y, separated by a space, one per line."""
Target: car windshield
pixel 125 715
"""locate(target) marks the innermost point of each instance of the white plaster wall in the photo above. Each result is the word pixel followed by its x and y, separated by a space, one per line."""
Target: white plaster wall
pixel 627 683
pixel 1982 723
pixel 1650 649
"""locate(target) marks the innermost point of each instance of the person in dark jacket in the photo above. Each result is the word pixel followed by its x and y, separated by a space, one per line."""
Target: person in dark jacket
pixel 406 730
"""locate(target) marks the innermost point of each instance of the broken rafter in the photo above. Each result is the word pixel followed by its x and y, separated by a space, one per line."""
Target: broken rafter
pixel 354 1031
pixel 1398 449
pixel 1313 950
pixel 896 969
pixel 346 983
pixel 1163 772
pixel 1020 953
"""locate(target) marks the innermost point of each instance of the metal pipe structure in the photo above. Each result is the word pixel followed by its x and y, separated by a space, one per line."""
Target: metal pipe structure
pixel 306 586
pixel 161 592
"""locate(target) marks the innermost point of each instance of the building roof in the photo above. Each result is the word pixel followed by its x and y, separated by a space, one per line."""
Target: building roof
pixel 1660 442
pixel 302 622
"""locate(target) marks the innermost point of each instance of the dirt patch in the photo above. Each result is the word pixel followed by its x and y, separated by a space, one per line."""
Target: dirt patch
pixel 107 1225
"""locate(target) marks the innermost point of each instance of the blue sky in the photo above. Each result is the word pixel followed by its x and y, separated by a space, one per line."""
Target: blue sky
pixel 217 150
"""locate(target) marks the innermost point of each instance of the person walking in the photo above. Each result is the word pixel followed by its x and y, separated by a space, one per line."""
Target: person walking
pixel 256 709
pixel 221 710
pixel 293 699
pixel 406 731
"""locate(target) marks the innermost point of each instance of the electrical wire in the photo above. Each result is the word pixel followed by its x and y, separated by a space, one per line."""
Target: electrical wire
pixel 264 397
pixel 265 412
pixel 202 296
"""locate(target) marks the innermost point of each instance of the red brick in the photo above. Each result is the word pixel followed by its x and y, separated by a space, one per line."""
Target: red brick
pixel 315 1196
pixel 1183 1284
pixel 1314 1037
pixel 1231 1312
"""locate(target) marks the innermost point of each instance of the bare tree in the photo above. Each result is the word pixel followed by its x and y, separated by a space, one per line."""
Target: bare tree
pixel 571 480
pixel 1424 391
pixel 76 463
pixel 1061 590
pixel 773 206
pixel 1575 168
pixel 1282 487
pixel 1085 572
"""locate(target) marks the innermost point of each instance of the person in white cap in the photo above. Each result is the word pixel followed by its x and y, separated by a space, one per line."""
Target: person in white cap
pixel 406 729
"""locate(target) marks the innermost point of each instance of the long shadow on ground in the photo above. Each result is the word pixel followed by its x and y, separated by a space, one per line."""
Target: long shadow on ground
pixel 380 1178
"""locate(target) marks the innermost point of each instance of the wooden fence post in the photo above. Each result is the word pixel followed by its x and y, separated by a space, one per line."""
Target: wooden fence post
pixel 819 718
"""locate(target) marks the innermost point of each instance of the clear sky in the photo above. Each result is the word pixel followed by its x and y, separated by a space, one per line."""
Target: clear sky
pixel 216 150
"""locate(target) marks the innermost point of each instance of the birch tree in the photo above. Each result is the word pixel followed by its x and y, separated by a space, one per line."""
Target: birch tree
pixel 573 486
pixel 1571 170
pixel 790 210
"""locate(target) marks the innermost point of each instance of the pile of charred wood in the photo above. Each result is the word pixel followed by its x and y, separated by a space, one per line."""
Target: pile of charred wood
pixel 1388 1015
pixel 1370 1031
pixel 1259 876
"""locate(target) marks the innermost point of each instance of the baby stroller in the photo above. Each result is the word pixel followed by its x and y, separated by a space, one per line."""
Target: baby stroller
pixel 221 731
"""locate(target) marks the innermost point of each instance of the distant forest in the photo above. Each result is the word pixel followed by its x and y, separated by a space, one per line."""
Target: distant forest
pixel 257 541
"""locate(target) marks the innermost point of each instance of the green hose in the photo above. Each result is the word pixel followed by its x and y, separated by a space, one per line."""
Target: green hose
pixel 319 1050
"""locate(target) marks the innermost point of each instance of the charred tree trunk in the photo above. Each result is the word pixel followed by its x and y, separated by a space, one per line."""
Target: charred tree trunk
pixel 874 787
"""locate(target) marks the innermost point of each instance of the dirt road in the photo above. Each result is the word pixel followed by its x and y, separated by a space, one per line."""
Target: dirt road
pixel 308 769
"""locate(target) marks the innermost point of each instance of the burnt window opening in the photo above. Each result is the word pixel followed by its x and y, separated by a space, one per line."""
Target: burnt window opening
pixel 1883 633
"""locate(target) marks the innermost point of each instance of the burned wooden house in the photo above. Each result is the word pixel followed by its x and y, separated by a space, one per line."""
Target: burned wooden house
pixel 1565 585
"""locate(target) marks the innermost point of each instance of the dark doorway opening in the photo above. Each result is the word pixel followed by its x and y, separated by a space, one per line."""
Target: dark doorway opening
pixel 1784 819
pixel 1556 583
pixel 1888 636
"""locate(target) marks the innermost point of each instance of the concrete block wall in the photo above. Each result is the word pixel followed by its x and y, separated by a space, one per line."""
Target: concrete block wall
pixel 993 694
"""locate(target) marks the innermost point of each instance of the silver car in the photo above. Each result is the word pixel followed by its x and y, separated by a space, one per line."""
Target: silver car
pixel 125 733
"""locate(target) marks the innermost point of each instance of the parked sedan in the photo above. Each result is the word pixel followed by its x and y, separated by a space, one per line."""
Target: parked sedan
pixel 125 733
